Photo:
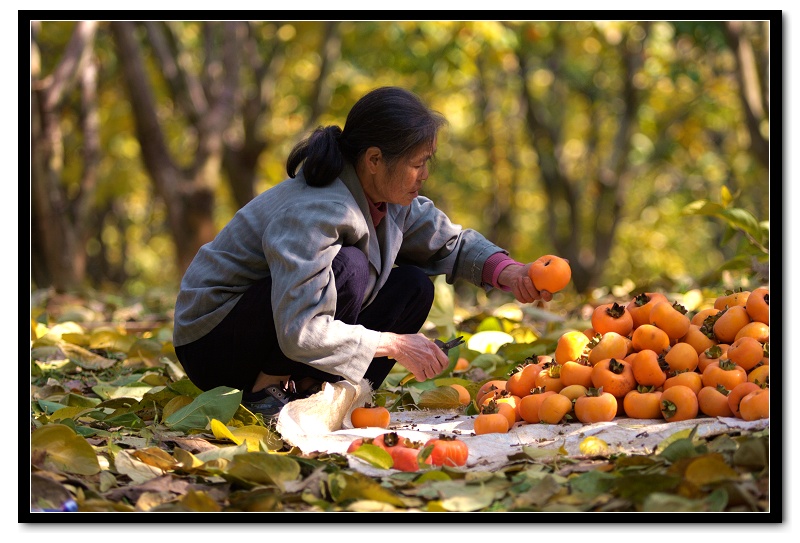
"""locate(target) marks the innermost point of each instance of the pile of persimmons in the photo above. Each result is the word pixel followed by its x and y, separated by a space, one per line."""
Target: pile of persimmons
pixel 647 359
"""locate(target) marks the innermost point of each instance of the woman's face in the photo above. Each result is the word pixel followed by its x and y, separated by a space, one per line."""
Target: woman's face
pixel 402 183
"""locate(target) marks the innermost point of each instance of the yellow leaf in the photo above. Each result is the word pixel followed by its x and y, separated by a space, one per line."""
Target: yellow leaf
pixel 252 435
pixel 153 456
pixel 187 460
pixel 222 432
pixel 709 470
pixel 593 446
pixel 64 450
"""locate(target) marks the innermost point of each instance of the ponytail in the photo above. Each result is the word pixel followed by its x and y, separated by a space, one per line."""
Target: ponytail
pixel 320 155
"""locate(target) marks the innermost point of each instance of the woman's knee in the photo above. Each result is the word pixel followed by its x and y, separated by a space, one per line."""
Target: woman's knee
pixel 416 282
pixel 351 273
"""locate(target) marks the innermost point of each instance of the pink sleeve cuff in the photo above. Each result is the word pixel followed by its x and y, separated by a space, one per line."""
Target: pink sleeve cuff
pixel 493 266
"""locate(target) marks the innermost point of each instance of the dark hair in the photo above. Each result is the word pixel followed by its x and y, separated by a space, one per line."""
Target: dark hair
pixel 390 118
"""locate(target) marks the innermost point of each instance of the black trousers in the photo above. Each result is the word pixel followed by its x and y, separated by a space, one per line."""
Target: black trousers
pixel 245 343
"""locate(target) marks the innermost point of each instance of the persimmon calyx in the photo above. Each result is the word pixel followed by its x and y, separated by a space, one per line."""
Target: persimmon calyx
pixel 616 367
pixel 615 311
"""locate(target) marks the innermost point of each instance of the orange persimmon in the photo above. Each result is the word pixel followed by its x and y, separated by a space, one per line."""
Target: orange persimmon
pixel 551 273
pixel 757 305
pixel 596 406
pixel 647 369
pixel 612 317
pixel 641 305
pixel 671 318
pixel 613 376
pixel 643 403
pixel 713 401
pixel 679 403
pixel 649 337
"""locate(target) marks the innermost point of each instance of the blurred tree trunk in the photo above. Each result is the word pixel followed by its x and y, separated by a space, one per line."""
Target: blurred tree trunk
pixel 587 249
pixel 208 100
pixel 263 63
pixel 59 214
pixel 752 74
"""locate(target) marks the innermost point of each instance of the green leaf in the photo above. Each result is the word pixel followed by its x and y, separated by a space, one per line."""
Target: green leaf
pixel 346 487
pixel 218 403
pixel 439 398
pixel 374 455
pixel 263 468
pixel 64 450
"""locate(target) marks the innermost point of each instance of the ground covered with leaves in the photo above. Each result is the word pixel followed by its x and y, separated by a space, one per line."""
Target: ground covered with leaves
pixel 117 427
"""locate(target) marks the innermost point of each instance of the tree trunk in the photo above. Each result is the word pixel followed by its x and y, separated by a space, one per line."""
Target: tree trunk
pixel 189 193
pixel 58 221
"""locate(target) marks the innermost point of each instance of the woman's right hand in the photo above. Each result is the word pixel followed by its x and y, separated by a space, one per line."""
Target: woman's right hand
pixel 415 352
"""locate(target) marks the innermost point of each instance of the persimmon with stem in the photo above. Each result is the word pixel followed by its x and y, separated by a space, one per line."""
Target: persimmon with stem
pixel 679 403
pixel 596 406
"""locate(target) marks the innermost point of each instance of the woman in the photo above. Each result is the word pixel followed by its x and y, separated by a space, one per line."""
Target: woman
pixel 326 275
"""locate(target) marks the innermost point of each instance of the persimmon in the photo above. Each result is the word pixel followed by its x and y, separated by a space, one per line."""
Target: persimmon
pixel 757 305
pixel 746 352
pixel 701 315
pixel 370 416
pixel 737 393
pixel 550 378
pixel 697 339
pixel 554 408
pixel 713 401
pixel 551 273
pixel 608 345
pixel 509 411
pixel 573 392
pixel 689 379
pixel 725 373
pixel 729 322
pixel 641 305
pixel 731 299
pixel 405 458
pixel 447 451
pixel 759 375
pixel 712 354
pixel 490 421
pixel 671 318
pixel 754 329
pixel 649 337
pixel 612 317
pixel 489 387
pixel 647 368
pixel 679 403
pixel 523 379
pixel 681 357
pixel 506 398
pixel 528 406
pixel 613 376
pixel 578 372
pixel 755 405
pixel 643 403
pixel 596 406
pixel 462 364
pixel 570 346
pixel 463 394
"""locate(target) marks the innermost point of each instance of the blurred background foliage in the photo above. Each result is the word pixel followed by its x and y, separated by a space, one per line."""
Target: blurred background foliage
pixel 637 150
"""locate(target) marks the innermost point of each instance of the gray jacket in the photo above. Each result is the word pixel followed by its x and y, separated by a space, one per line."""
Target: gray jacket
pixel 292 232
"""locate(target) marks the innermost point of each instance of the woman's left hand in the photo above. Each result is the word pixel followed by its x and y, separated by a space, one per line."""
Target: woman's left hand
pixel 516 278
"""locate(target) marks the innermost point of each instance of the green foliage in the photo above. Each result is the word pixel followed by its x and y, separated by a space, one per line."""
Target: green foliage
pixel 687 139
pixel 751 253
